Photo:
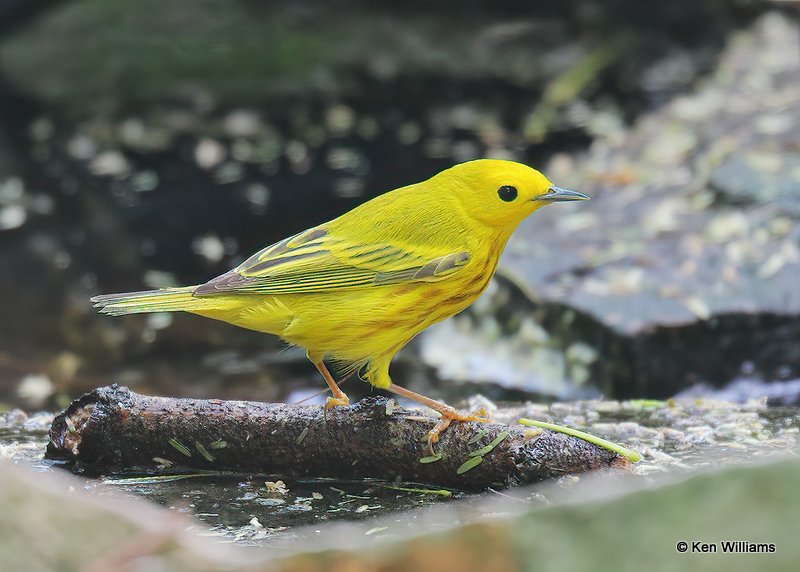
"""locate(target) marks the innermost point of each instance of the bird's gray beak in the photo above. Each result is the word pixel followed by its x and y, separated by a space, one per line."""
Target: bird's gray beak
pixel 556 195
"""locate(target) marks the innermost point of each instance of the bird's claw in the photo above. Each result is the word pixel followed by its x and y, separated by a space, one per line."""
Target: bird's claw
pixel 340 401
pixel 480 416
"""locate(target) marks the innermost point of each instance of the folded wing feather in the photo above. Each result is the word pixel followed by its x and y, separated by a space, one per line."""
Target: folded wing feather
pixel 316 261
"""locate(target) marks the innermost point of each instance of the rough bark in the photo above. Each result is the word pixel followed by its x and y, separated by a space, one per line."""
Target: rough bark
pixel 113 430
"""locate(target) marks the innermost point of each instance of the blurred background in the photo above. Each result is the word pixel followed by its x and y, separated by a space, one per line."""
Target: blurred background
pixel 153 144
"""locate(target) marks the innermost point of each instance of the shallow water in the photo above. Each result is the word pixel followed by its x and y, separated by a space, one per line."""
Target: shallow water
pixel 673 437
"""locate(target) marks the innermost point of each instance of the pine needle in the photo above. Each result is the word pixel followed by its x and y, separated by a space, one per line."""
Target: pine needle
pixel 624 452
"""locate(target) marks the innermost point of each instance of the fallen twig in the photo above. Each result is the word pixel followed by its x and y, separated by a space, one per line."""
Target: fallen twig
pixel 112 430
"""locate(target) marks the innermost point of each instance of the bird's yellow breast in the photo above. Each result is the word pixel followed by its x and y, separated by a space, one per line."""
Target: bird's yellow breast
pixel 361 324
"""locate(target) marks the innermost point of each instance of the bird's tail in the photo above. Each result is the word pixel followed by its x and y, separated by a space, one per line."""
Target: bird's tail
pixel 164 300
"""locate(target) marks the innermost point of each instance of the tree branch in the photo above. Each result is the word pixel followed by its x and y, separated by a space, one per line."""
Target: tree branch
pixel 113 430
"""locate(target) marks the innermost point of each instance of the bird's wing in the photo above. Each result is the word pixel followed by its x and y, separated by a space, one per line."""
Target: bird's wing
pixel 316 261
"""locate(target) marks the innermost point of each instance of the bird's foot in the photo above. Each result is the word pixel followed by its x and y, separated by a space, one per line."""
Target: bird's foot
pixel 338 401
pixel 448 416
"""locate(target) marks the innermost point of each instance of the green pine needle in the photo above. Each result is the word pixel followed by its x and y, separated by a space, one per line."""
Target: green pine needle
pixel 624 452
pixel 437 492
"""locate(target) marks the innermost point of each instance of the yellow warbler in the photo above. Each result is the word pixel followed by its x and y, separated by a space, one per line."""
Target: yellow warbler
pixel 358 288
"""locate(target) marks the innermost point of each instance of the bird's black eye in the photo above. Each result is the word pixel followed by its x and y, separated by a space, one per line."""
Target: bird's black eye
pixel 507 193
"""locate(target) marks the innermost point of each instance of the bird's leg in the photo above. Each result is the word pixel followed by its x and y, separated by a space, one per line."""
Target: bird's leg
pixel 338 397
pixel 449 414
pixel 324 391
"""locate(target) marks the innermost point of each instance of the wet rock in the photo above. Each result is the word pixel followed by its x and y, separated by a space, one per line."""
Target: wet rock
pixel 659 245
pixel 748 505
pixel 685 265
pixel 763 176
pixel 619 519
pixel 676 438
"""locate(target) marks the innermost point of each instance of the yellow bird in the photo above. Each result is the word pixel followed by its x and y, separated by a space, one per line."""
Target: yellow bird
pixel 360 287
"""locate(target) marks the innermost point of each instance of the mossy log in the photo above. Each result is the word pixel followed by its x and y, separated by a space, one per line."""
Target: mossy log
pixel 113 430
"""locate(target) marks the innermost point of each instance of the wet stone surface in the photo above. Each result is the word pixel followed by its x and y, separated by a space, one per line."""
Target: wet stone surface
pixel 686 262
pixel 673 437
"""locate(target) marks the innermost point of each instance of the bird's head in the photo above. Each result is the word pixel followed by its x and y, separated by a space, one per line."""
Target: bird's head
pixel 501 193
